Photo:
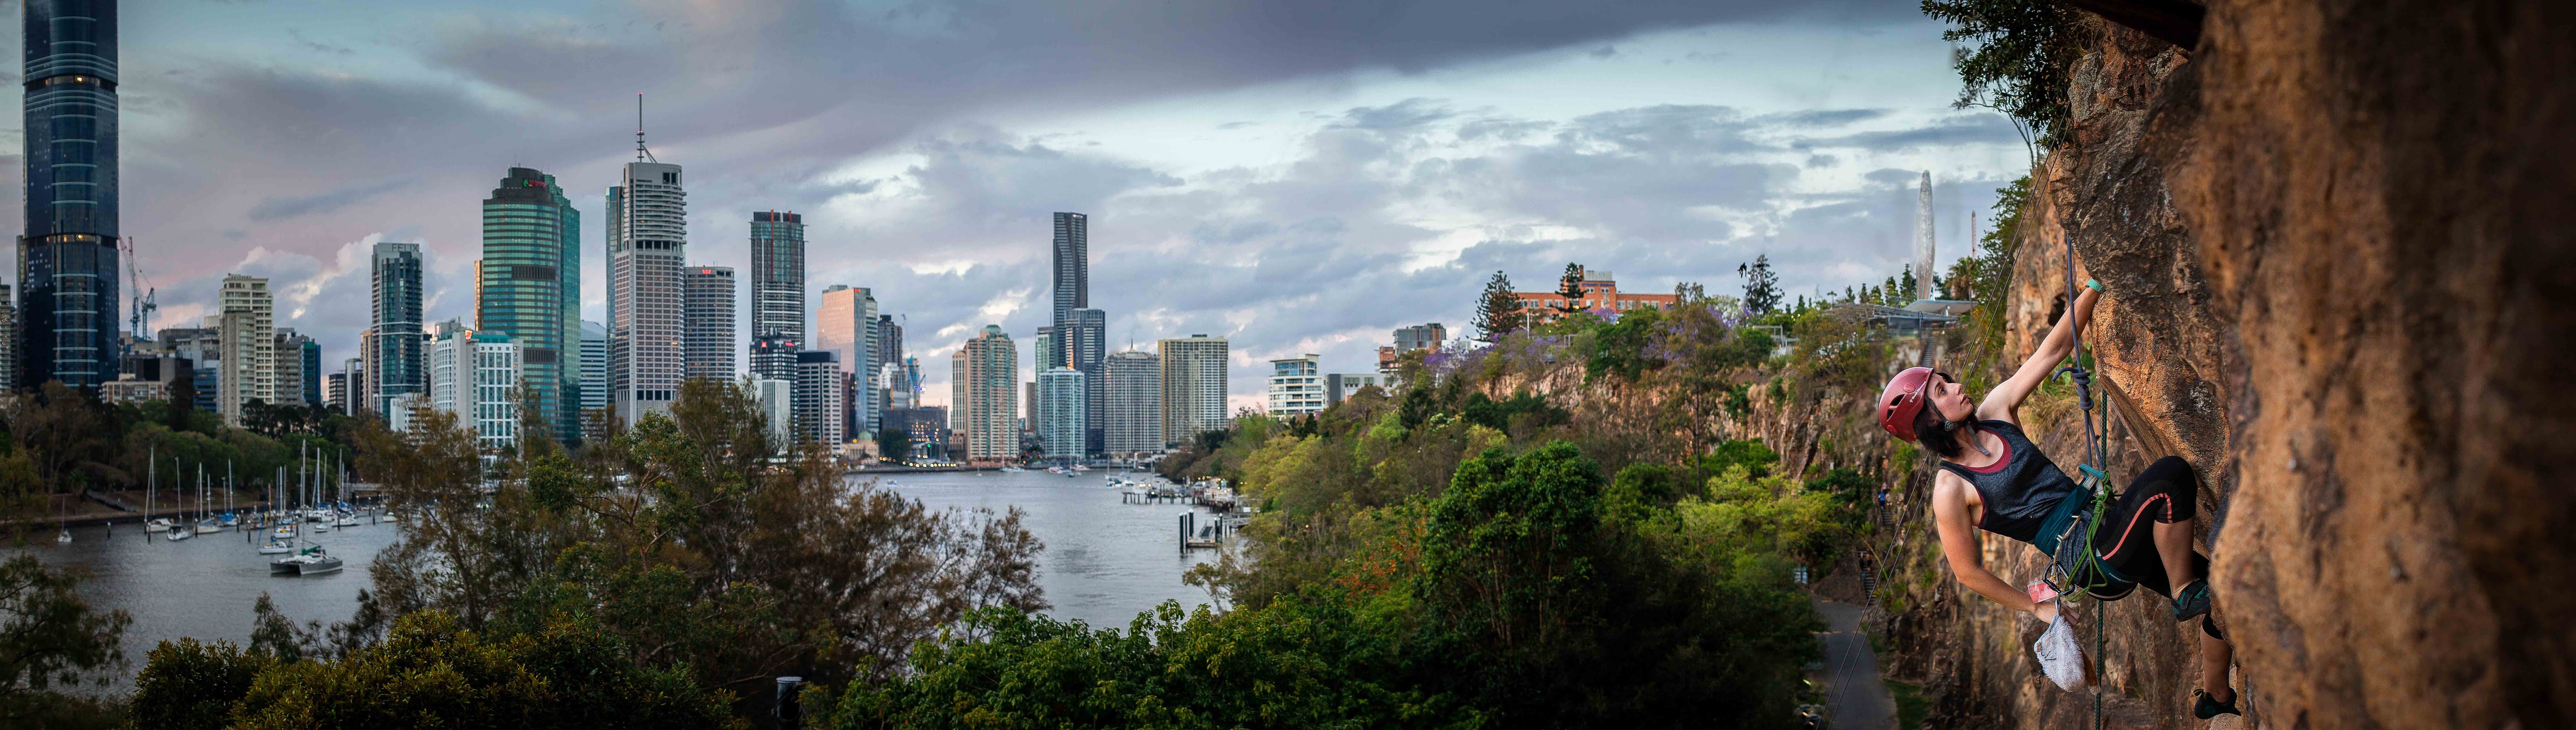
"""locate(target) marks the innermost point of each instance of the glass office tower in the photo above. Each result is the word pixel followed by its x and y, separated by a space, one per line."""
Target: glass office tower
pixel 67 260
pixel 531 290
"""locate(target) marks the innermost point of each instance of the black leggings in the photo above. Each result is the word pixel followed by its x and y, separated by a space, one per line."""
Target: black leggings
pixel 2168 491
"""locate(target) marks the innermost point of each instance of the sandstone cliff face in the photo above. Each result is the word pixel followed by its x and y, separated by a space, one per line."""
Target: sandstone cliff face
pixel 2379 192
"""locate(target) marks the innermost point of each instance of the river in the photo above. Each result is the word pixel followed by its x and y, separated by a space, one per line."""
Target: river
pixel 1104 562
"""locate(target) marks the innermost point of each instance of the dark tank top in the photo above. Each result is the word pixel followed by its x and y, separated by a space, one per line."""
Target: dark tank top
pixel 2019 490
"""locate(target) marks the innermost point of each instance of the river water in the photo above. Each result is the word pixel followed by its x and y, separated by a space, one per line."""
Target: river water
pixel 1105 561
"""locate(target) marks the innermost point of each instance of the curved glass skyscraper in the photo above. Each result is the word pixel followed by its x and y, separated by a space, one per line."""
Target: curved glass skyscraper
pixel 67 261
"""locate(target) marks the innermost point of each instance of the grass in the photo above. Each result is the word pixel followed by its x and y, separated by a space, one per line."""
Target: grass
pixel 1911 705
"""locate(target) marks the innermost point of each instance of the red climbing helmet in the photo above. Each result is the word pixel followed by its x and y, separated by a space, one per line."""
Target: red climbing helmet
pixel 1902 400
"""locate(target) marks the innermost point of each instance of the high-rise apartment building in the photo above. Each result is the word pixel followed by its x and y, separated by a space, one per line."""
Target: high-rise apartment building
pixel 984 400
pixel 820 384
pixel 1045 353
pixel 68 270
pixel 335 391
pixel 1132 397
pixel 247 326
pixel 1194 386
pixel 777 291
pixel 353 379
pixel 593 384
pixel 528 287
pixel 648 240
pixel 845 322
pixel 1059 415
pixel 9 339
pixel 1297 385
pixel 1083 335
pixel 889 341
pixel 393 352
pixel 474 376
pixel 287 375
pixel 708 341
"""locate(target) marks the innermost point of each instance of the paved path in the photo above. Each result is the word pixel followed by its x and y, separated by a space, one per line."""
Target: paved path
pixel 1855 698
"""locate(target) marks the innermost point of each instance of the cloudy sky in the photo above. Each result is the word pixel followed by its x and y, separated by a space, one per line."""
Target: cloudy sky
pixel 1299 176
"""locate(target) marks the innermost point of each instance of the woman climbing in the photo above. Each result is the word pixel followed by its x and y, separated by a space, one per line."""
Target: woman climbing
pixel 1992 477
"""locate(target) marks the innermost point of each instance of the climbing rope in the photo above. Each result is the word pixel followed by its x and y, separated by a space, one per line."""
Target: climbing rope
pixel 2072 569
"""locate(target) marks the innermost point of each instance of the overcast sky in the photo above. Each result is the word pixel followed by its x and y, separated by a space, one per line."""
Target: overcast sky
pixel 1298 176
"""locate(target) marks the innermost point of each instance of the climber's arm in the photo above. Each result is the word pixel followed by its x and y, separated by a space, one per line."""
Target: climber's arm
pixel 1959 545
pixel 2007 397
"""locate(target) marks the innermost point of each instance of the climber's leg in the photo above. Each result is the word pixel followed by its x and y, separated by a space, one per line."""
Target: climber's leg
pixel 2146 535
pixel 2215 656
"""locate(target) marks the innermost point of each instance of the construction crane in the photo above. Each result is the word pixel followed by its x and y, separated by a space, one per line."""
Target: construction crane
pixel 143 305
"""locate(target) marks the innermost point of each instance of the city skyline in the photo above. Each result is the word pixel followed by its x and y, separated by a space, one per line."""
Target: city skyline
pixel 1255 183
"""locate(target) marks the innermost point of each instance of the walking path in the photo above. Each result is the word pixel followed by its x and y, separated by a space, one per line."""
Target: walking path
pixel 1855 698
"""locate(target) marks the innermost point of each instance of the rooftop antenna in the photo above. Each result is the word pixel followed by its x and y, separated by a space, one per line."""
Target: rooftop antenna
pixel 641 154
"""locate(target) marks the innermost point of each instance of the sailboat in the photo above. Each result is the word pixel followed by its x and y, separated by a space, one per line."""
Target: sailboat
pixel 313 561
pixel 206 525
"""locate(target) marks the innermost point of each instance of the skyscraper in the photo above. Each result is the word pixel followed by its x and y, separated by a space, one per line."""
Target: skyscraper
pixel 529 289
pixel 1059 417
pixel 1045 353
pixel 708 343
pixel 475 376
pixel 1072 263
pixel 68 269
pixel 394 354
pixel 1132 398
pixel 820 384
pixel 984 400
pixel 889 340
pixel 1194 386
pixel 9 339
pixel 777 290
pixel 648 239
pixel 289 381
pixel 845 322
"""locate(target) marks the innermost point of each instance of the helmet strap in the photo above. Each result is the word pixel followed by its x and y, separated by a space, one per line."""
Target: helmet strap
pixel 1974 442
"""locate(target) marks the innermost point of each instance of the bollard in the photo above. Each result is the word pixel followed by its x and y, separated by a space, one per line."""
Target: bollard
pixel 790 711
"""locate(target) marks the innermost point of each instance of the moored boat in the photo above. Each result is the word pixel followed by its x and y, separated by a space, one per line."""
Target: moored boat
pixel 313 561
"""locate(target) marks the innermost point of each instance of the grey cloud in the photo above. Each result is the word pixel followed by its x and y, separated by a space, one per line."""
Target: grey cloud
pixel 1958 130
pixel 279 208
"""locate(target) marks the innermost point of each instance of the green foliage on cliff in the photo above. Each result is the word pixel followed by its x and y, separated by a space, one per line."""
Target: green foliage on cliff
pixel 2019 59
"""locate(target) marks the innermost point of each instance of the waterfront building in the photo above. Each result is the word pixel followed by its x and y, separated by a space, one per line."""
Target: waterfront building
pixel 1060 418
pixel 68 266
pixel 777 399
pixel 984 379
pixel 528 287
pixel 1297 385
pixel 648 241
pixel 777 290
pixel 820 384
pixel 1340 387
pixel 1194 386
pixel 474 376
pixel 247 328
pixel 1132 398
pixel 709 340
pixel 927 425
pixel 845 322
pixel 394 340
pixel 1084 337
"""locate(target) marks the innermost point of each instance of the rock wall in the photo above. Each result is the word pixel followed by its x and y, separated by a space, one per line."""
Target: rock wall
pixel 2380 193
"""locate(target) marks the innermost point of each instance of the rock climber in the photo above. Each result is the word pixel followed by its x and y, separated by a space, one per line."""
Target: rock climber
pixel 1994 478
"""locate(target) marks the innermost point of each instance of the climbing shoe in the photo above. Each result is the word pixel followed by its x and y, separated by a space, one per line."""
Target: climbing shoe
pixel 2192 601
pixel 2205 707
